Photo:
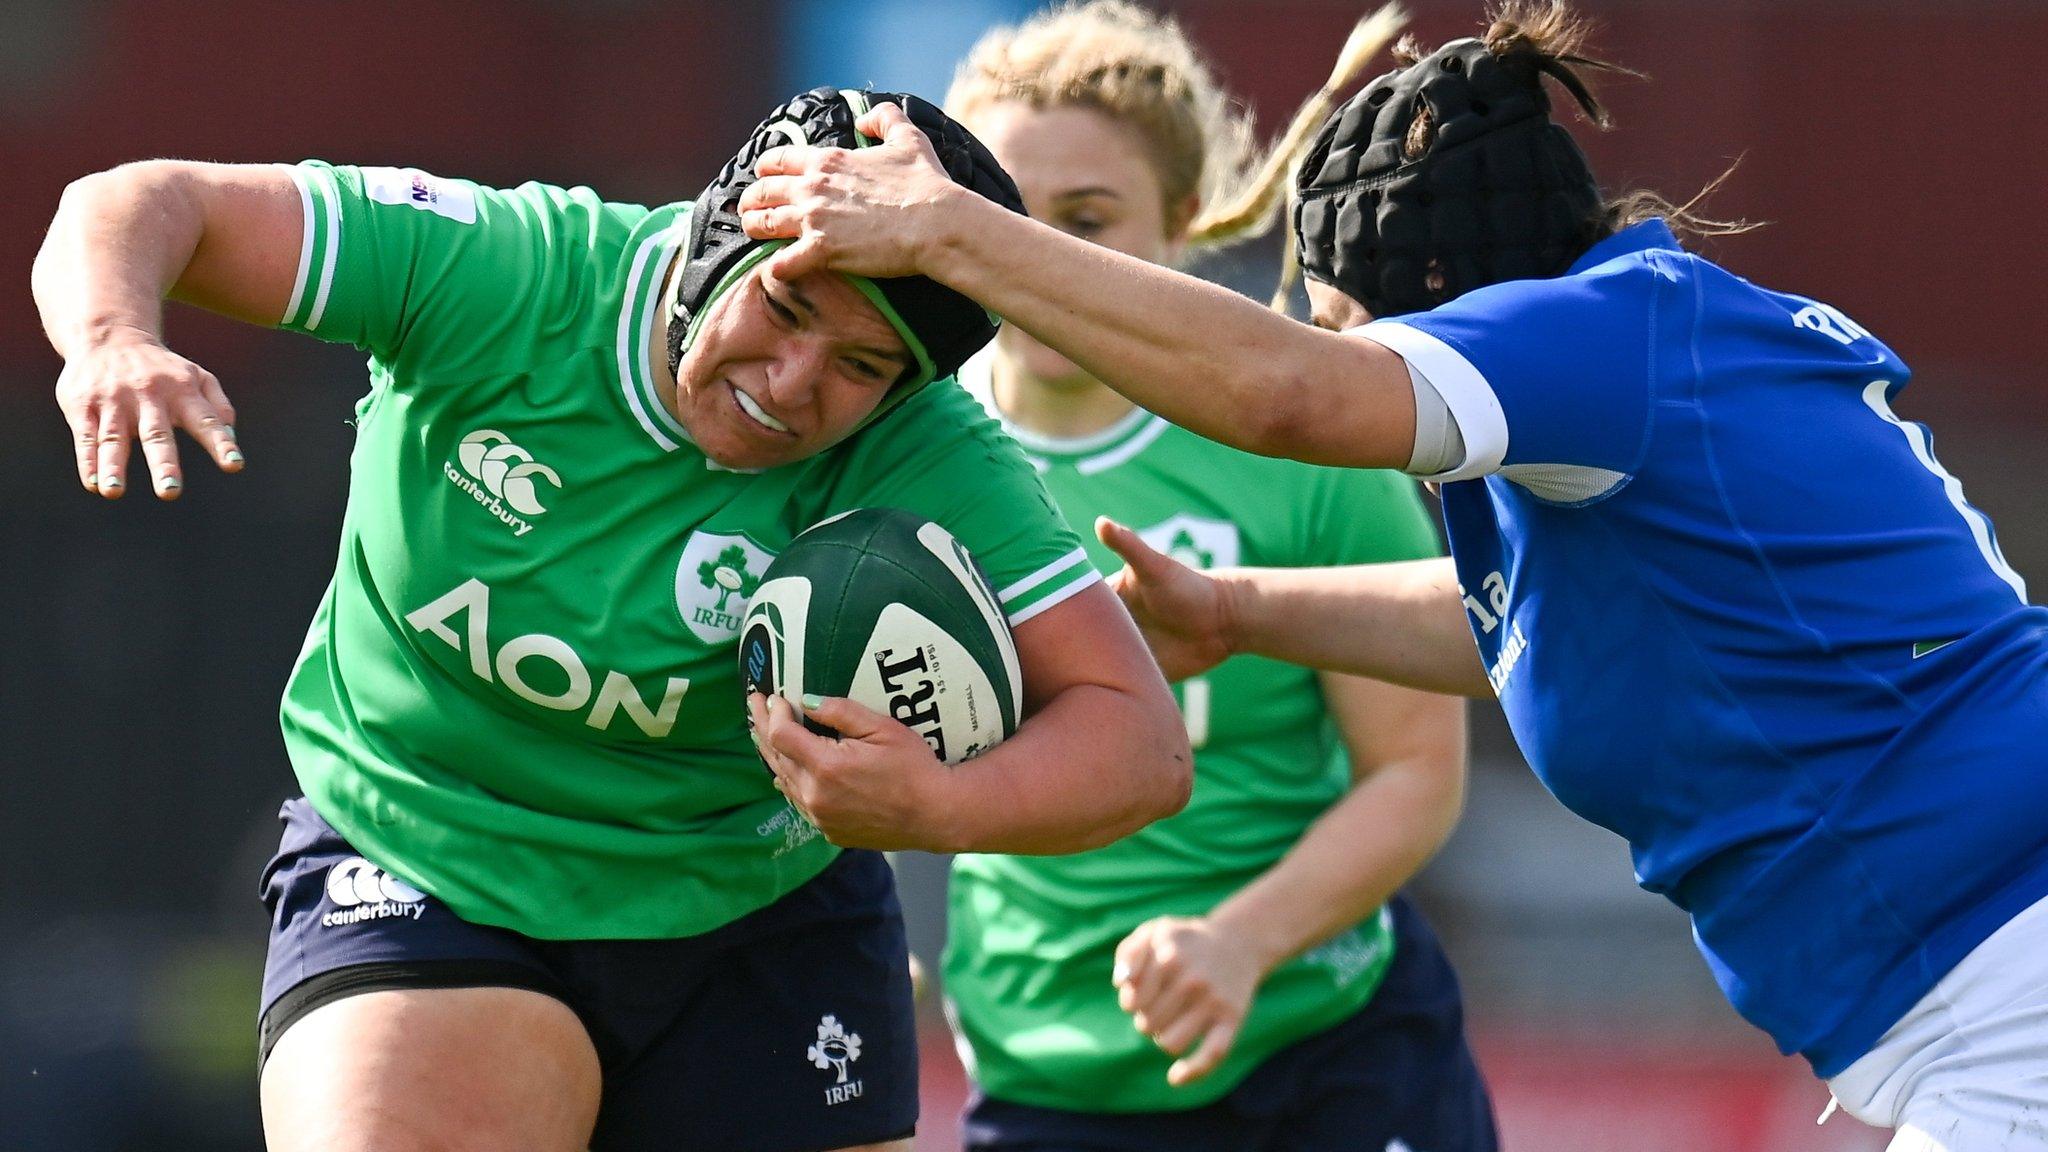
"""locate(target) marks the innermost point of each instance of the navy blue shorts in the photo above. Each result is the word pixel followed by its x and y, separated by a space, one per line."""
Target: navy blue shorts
pixel 787 1030
pixel 1397 1076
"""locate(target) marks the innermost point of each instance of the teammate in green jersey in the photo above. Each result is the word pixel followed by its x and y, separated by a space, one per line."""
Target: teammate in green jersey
pixel 542 893
pixel 1258 918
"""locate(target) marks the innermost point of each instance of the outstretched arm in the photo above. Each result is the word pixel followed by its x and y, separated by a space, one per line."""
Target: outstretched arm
pixel 225 237
pixel 1198 354
pixel 1402 622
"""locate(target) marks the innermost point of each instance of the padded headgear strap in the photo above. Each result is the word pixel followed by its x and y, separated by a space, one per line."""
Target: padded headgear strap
pixel 1498 193
pixel 941 327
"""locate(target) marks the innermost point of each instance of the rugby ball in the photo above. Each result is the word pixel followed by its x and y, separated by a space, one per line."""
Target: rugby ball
pixel 886 608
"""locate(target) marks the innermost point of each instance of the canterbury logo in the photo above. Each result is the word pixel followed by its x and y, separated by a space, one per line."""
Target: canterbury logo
pixel 500 476
pixel 357 881
pixel 508 470
pixel 362 891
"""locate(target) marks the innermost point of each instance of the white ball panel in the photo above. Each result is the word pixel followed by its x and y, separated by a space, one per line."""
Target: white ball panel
pixel 912 671
pixel 953 555
pixel 786 601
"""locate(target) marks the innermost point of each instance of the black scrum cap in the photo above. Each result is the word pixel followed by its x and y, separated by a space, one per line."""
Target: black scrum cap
pixel 1498 192
pixel 941 327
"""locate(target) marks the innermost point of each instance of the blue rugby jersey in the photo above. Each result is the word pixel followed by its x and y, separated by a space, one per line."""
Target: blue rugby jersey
pixel 1736 612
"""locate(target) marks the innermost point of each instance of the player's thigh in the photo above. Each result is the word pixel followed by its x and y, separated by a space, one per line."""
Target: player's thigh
pixel 446 1069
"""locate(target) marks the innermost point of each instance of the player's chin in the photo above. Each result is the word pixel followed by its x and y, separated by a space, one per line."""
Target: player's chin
pixel 750 450
pixel 1039 361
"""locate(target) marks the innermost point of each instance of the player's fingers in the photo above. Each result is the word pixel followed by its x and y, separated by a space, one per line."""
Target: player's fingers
pixel 85 444
pixel 789 779
pixel 852 720
pixel 757 718
pixel 879 119
pixel 767 191
pixel 786 734
pixel 762 712
pixel 1171 1000
pixel 210 419
pixel 786 160
pixel 1215 1046
pixel 209 386
pixel 1132 955
pixel 778 766
pixel 1146 976
pixel 889 124
pixel 1145 561
pixel 110 449
pixel 790 782
pixel 777 222
pixel 1177 1033
pixel 802 258
pixel 788 774
pixel 156 432
pixel 761 721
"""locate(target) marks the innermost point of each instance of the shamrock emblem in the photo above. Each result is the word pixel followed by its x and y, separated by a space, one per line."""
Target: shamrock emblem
pixel 836 1047
pixel 728 573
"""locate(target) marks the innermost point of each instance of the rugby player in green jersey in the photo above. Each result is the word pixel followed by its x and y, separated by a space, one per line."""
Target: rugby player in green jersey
pixel 541 892
pixel 1290 1007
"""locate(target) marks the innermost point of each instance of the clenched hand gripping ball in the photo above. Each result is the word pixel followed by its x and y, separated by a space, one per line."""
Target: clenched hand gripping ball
pixel 889 610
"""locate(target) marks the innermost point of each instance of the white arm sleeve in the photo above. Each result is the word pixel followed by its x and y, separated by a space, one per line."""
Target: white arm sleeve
pixel 1444 381
pixel 1439 445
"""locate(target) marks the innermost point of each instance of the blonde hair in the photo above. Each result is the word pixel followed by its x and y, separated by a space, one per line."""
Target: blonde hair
pixel 1139 68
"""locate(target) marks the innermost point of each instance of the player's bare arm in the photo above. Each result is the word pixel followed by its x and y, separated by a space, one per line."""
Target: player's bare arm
pixel 225 237
pixel 1403 622
pixel 1188 981
pixel 1100 754
pixel 1198 354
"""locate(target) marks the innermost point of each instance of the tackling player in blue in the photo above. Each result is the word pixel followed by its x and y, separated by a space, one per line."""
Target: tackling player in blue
pixel 1733 607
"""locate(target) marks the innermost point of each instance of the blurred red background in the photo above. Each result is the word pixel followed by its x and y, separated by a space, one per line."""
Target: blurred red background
pixel 1896 148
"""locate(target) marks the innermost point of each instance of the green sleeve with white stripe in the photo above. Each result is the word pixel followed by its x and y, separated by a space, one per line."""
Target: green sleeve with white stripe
pixel 440 278
pixel 939 455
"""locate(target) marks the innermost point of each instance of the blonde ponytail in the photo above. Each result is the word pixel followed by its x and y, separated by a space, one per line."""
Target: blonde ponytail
pixel 1249 211
pixel 1371 34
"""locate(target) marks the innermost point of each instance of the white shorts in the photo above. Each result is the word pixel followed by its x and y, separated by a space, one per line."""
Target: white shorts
pixel 1966 1069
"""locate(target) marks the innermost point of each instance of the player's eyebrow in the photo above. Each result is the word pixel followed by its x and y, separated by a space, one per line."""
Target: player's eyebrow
pixel 899 358
pixel 1090 190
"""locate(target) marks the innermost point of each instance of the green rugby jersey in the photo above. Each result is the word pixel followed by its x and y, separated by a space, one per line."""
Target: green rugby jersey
pixel 519 692
pixel 1031 940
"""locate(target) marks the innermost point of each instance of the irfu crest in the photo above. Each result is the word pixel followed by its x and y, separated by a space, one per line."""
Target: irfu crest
pixel 836 1047
pixel 717 574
